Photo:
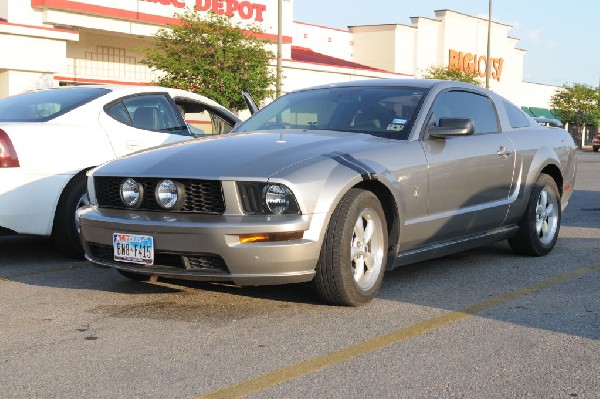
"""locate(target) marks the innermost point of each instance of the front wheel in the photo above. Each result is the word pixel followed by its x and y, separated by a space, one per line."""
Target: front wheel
pixel 539 227
pixel 354 252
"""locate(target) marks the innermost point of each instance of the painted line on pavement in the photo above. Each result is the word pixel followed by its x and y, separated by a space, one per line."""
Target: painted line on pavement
pixel 292 372
pixel 15 276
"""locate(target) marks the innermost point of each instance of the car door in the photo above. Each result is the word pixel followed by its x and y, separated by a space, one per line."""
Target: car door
pixel 469 176
pixel 141 121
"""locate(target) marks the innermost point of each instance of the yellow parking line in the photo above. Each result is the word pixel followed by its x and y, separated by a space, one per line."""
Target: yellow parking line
pixel 315 364
pixel 61 269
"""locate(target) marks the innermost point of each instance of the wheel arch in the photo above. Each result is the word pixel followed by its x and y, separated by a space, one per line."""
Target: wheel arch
pixel 554 172
pixel 65 190
pixel 391 211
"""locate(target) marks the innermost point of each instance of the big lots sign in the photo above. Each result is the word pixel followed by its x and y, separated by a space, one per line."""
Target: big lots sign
pixel 244 9
pixel 472 63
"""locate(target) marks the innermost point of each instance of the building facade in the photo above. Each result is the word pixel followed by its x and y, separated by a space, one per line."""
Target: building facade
pixel 47 43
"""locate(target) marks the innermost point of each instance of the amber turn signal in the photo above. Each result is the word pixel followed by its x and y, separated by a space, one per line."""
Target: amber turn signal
pixel 270 237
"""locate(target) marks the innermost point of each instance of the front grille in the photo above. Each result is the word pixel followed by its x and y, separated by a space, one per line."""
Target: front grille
pixel 201 196
pixel 250 197
pixel 198 262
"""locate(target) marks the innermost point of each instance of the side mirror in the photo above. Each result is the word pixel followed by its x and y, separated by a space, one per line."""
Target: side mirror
pixel 452 127
pixel 252 107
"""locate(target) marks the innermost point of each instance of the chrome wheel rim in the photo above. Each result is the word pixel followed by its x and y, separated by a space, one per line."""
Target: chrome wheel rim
pixel 366 249
pixel 546 216
pixel 83 201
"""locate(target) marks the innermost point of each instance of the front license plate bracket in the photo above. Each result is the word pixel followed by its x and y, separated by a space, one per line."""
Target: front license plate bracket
pixel 133 248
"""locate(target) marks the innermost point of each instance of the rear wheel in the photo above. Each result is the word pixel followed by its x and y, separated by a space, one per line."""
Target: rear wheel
pixel 538 230
pixel 65 231
pixel 354 252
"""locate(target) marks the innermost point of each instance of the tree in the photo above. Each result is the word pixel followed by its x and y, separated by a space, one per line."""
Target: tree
pixel 211 55
pixel 578 105
pixel 447 73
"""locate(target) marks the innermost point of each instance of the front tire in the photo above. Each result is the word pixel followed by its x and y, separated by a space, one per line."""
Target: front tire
pixel 65 231
pixel 354 252
pixel 538 230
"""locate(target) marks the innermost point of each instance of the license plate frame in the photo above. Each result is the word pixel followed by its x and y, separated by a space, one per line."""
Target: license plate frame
pixel 133 248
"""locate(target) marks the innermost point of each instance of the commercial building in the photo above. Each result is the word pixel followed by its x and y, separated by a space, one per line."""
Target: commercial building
pixel 47 43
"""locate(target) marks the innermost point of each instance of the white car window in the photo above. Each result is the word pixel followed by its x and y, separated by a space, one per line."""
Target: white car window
pixel 148 112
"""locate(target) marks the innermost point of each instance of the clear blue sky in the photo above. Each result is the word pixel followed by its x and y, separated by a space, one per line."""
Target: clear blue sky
pixel 562 37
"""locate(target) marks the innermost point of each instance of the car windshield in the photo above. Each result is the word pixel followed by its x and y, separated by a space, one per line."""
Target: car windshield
pixel 41 106
pixel 382 111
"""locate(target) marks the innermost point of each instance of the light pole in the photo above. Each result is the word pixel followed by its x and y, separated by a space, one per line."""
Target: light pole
pixel 487 60
pixel 279 44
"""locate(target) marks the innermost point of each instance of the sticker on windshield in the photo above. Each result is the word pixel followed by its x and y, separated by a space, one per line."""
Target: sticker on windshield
pixel 395 127
pixel 399 121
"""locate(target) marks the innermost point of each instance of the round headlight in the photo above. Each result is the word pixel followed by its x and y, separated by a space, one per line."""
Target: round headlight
pixel 277 198
pixel 167 194
pixel 131 192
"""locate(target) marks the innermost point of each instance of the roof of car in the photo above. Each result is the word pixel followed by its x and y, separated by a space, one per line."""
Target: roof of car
pixel 420 83
pixel 114 87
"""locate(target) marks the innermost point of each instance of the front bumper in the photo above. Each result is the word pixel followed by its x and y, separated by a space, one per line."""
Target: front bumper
pixel 207 247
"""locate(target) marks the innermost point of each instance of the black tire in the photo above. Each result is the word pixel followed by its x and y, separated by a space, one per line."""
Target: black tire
pixel 539 227
pixel 595 149
pixel 65 230
pixel 135 276
pixel 344 279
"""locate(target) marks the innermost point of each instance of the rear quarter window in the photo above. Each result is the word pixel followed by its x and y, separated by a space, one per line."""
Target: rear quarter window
pixel 42 106
pixel 516 117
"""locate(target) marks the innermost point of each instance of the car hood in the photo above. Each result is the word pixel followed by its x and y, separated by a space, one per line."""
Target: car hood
pixel 235 156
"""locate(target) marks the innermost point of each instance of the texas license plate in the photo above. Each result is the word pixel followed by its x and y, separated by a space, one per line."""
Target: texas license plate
pixel 133 248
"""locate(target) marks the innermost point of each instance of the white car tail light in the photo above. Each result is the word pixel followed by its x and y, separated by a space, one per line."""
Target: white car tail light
pixel 8 155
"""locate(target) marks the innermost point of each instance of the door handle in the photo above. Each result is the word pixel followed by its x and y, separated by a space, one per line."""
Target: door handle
pixel 504 152
pixel 133 145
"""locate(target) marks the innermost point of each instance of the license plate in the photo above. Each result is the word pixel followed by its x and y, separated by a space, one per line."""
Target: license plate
pixel 133 248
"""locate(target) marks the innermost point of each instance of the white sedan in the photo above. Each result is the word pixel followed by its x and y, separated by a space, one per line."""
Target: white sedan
pixel 49 139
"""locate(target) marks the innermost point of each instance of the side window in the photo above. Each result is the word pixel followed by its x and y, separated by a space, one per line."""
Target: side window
pixel 152 112
pixel 465 104
pixel 516 117
pixel 203 121
pixel 119 112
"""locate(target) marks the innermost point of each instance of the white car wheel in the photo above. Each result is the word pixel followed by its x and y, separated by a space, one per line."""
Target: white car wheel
pixel 65 231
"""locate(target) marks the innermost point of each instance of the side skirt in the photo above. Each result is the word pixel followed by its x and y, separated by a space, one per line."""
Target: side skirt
pixel 439 249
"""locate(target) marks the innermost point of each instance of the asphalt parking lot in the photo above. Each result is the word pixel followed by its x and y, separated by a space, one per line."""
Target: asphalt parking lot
pixel 483 323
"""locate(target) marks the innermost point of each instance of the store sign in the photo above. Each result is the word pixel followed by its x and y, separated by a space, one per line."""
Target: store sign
pixel 472 63
pixel 176 3
pixel 244 9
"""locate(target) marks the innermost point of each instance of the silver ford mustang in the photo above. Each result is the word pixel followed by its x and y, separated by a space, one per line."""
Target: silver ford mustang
pixel 335 184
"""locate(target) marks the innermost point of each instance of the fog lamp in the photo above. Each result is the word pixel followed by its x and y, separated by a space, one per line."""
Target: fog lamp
pixel 168 194
pixel 131 193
